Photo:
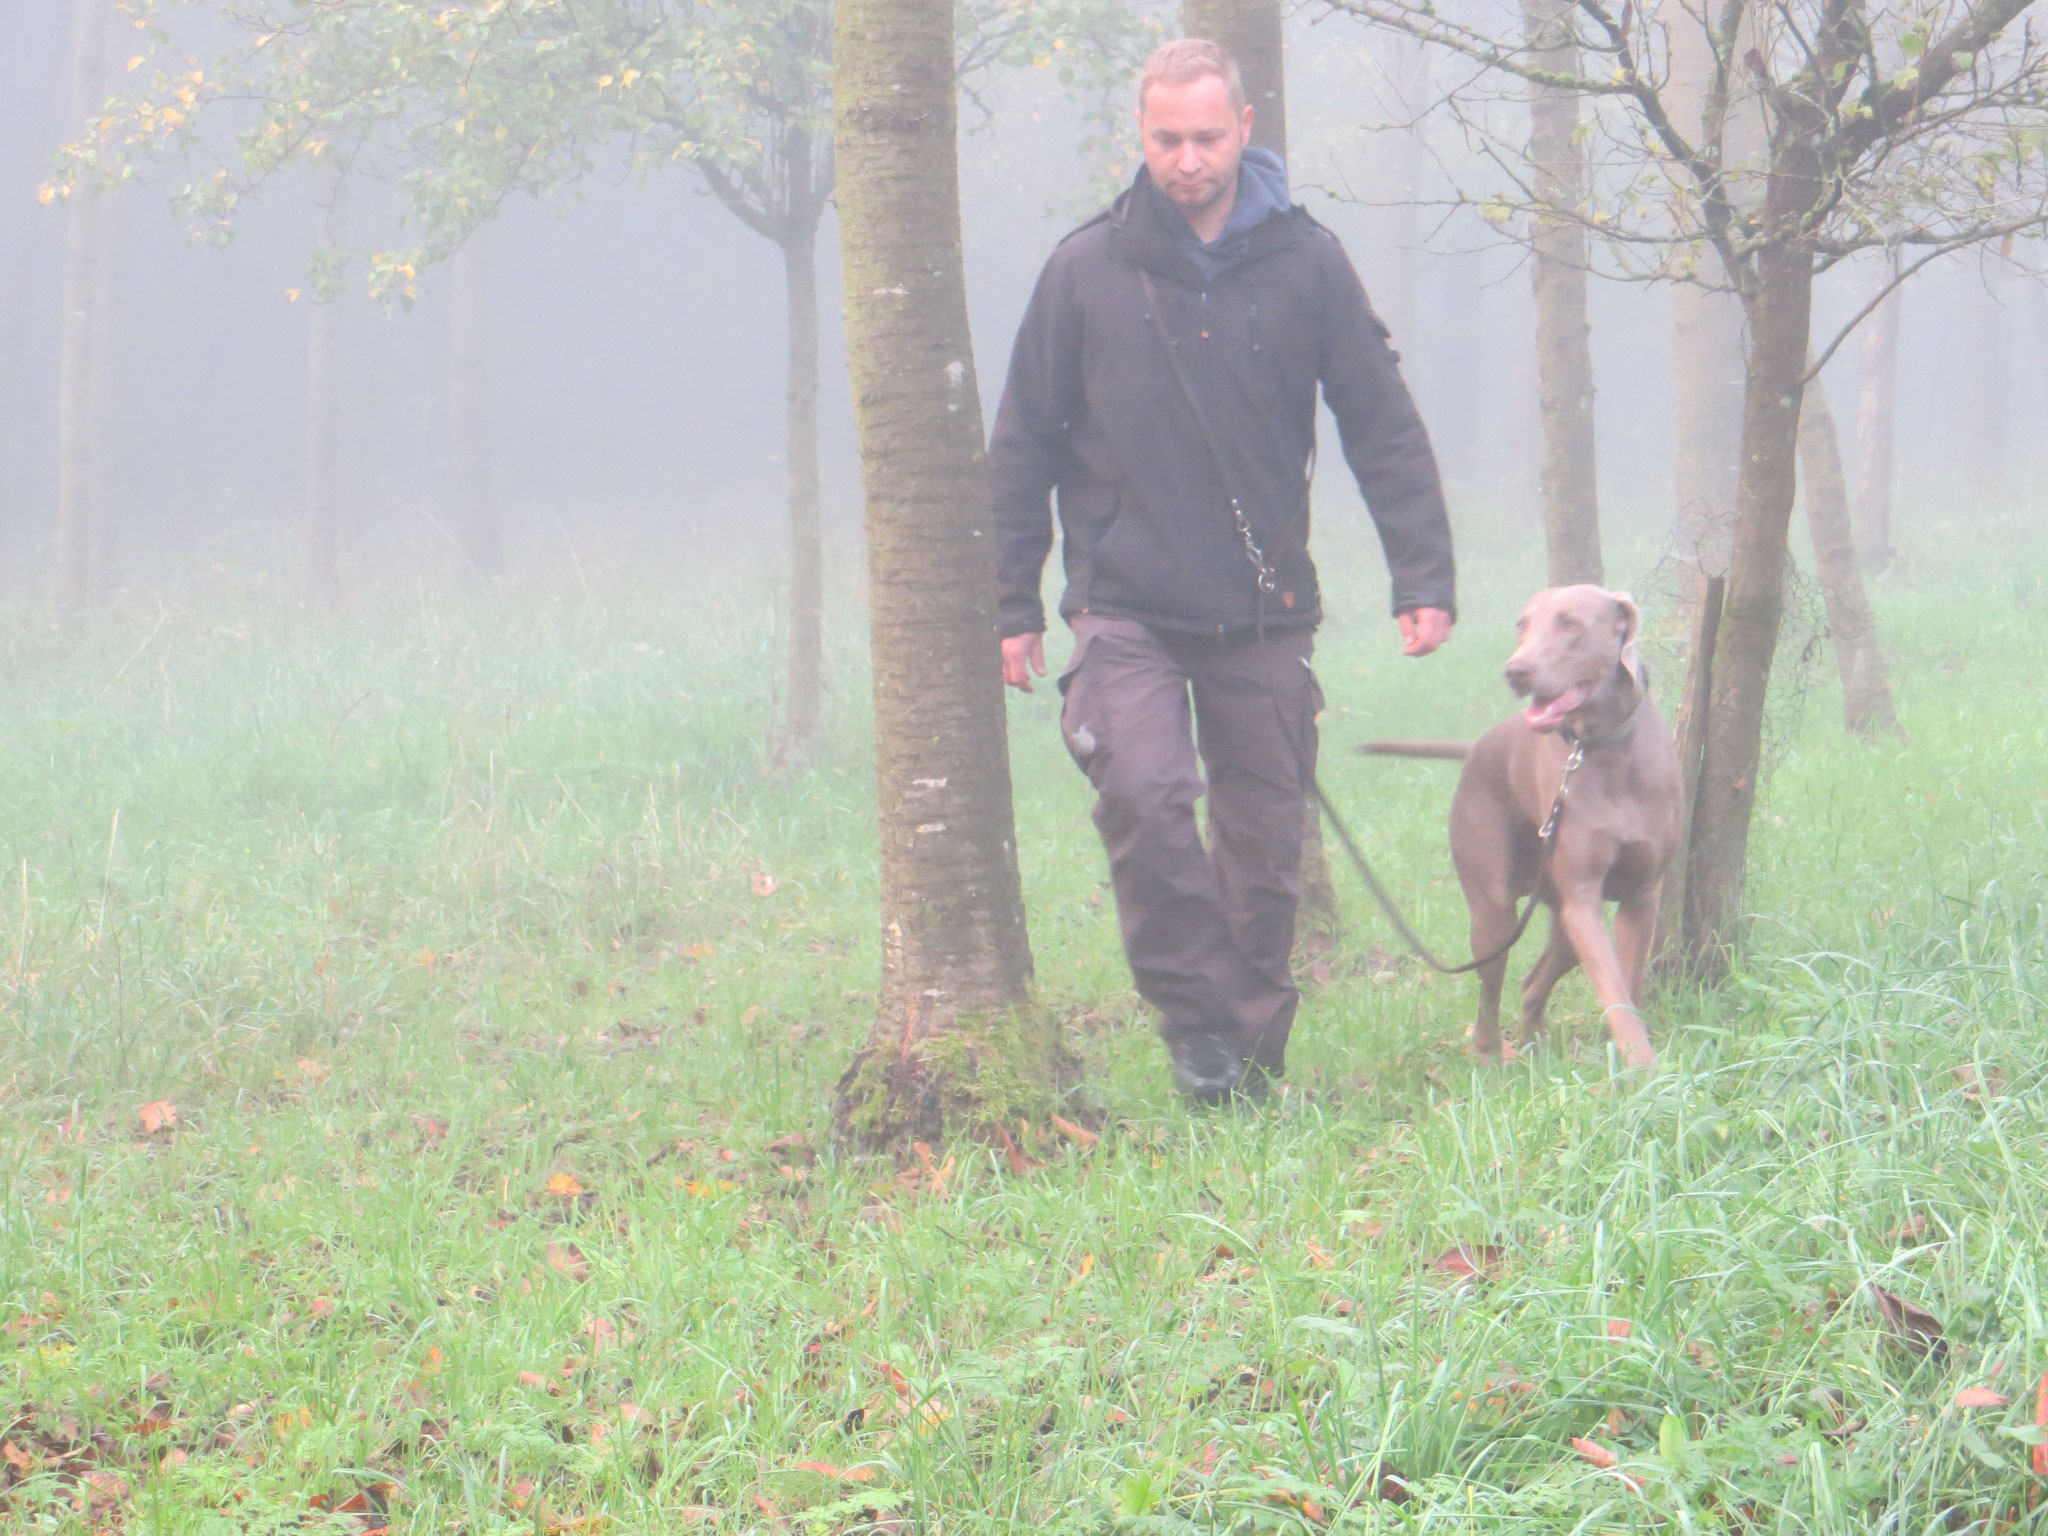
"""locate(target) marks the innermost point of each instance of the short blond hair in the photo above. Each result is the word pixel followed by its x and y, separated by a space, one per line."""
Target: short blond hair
pixel 1191 58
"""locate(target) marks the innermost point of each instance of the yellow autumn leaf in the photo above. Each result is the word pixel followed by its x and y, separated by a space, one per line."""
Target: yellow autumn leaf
pixel 135 63
pixel 626 80
pixel 565 1185
pixel 604 81
pixel 46 194
pixel 291 295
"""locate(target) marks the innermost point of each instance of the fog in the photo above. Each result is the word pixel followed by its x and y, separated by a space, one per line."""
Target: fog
pixel 637 349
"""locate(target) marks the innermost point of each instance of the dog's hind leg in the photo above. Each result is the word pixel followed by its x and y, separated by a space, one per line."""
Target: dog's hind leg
pixel 1551 967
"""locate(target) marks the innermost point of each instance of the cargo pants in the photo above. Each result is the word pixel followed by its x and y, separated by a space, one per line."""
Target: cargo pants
pixel 1208 928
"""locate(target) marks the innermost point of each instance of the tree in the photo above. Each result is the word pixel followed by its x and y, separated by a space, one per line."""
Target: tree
pixel 320 524
pixel 1867 707
pixel 1253 33
pixel 1901 125
pixel 956 1040
pixel 81 378
pixel 1564 355
pixel 1877 395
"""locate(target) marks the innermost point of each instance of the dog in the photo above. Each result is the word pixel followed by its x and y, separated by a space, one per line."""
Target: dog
pixel 1576 661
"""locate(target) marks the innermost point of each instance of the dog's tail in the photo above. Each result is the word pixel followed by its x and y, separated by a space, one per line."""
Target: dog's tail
pixel 1447 751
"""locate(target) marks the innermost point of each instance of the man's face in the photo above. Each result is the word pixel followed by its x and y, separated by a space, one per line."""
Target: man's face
pixel 1193 140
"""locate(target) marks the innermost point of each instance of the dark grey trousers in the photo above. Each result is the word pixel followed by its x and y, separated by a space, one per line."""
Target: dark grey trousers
pixel 1207 929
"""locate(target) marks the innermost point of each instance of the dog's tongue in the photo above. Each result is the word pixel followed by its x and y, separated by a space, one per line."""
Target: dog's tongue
pixel 1550 714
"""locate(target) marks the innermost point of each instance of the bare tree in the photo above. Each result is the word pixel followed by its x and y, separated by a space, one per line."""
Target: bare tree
pixel 1898 125
pixel 1564 355
pixel 1251 32
pixel 80 379
pixel 1877 398
pixel 320 523
pixel 1867 707
pixel 956 1038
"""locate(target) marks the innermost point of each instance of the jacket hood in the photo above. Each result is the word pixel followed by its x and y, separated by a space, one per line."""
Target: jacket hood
pixel 1153 232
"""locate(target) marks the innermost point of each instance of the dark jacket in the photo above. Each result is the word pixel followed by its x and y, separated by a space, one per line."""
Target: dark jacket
pixel 1093 410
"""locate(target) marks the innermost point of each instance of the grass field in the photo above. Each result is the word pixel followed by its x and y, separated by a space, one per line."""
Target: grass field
pixel 416 1044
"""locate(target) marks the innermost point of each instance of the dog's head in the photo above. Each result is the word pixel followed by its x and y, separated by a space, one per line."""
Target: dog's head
pixel 1571 641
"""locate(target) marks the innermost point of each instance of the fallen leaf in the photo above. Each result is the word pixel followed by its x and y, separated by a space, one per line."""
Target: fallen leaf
pixel 323 1306
pixel 565 1185
pixel 796 1147
pixel 764 883
pixel 1978 1084
pixel 533 1379
pixel 603 1333
pixel 2041 1422
pixel 159 1115
pixel 1078 1134
pixel 567 1259
pixel 1481 1263
pixel 1981 1397
pixel 1020 1163
pixel 1619 1327
pixel 1917 1331
pixel 698 1514
pixel 826 1469
pixel 24 1463
pixel 432 1128
pixel 1596 1453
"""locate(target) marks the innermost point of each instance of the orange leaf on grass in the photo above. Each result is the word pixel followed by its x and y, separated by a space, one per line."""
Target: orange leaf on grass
pixel 698 1514
pixel 1981 1397
pixel 2041 1422
pixel 764 883
pixel 158 1115
pixel 1020 1162
pixel 1079 1134
pixel 565 1185
pixel 1480 1262
pixel 838 1474
pixel 567 1259
pixel 1596 1453
pixel 1619 1327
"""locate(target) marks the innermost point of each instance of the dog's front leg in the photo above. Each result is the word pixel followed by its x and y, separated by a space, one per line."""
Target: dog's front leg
pixel 1581 917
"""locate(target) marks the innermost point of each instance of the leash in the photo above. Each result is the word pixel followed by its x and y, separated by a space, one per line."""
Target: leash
pixel 1268 582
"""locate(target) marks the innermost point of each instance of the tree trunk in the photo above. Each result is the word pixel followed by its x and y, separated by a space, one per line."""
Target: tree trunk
pixel 1867 707
pixel 77 453
pixel 320 529
pixel 1877 396
pixel 469 411
pixel 956 1041
pixel 1564 357
pixel 1250 31
pixel 104 563
pixel 1780 313
pixel 800 729
pixel 1707 348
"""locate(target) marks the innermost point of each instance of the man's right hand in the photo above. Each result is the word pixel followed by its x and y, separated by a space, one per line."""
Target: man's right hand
pixel 1023 655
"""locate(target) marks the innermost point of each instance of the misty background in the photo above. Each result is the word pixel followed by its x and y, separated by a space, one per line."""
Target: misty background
pixel 637 350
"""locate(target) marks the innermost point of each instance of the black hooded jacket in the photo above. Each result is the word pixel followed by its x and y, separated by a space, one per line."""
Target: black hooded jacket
pixel 1092 409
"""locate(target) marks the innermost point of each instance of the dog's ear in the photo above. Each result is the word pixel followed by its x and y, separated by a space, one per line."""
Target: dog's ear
pixel 1631 634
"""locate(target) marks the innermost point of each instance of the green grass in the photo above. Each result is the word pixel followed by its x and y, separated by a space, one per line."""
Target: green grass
pixel 489 977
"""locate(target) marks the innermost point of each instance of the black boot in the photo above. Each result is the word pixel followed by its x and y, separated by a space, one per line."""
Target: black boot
pixel 1207 1068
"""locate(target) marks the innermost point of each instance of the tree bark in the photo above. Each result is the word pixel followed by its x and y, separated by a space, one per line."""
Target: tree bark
pixel 320 526
pixel 1877 398
pixel 77 452
pixel 1780 314
pixel 1707 346
pixel 801 728
pixel 1564 357
pixel 956 1041
pixel 1251 32
pixel 1867 707
pixel 469 410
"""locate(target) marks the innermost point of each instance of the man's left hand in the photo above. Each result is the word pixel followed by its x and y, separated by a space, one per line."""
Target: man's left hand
pixel 1423 630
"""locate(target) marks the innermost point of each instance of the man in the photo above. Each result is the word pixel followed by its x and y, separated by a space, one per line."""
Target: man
pixel 1185 538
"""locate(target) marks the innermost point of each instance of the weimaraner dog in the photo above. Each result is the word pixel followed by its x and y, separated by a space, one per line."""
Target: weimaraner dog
pixel 1576 661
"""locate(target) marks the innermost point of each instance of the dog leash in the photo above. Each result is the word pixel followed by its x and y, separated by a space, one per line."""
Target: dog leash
pixel 1268 582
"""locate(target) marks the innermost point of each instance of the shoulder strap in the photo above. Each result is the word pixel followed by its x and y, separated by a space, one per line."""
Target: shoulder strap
pixel 1261 562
